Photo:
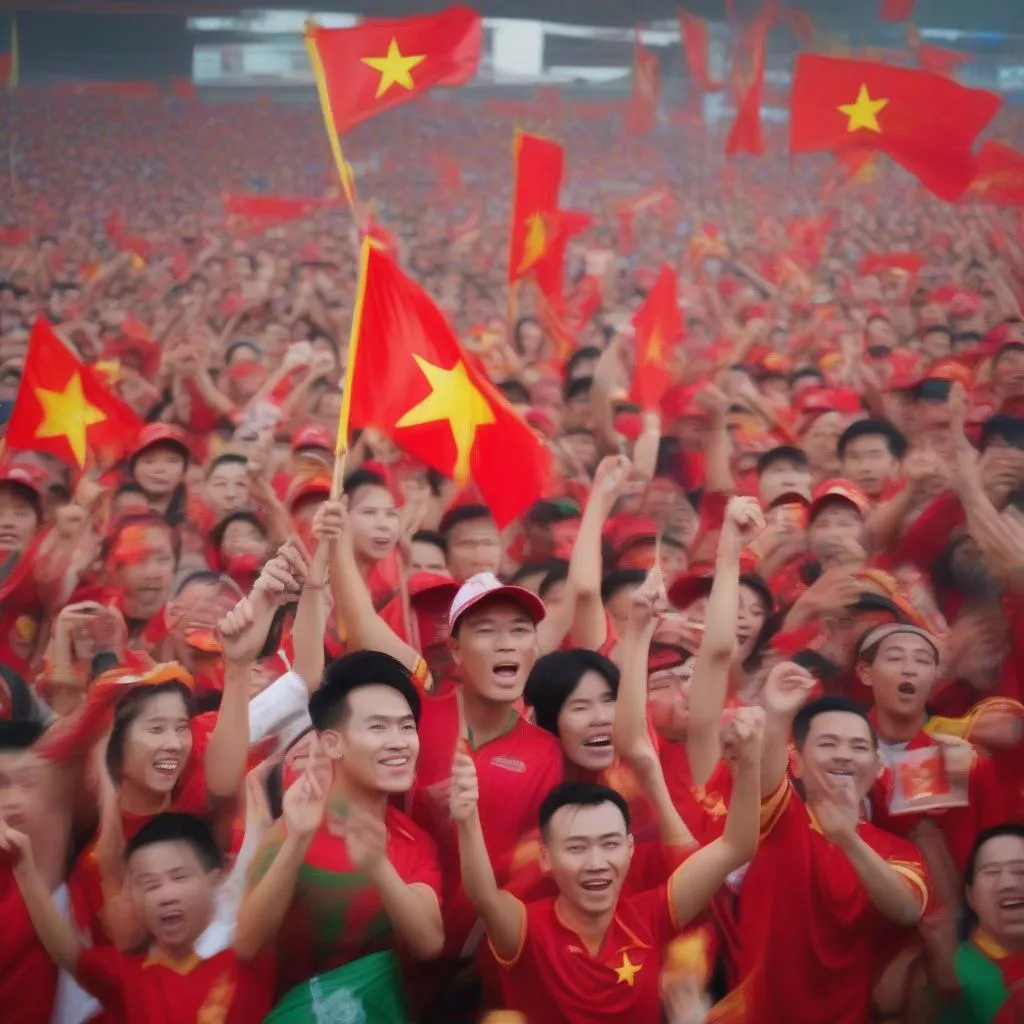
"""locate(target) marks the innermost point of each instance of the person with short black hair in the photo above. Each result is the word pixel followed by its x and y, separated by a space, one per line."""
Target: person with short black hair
pixel 780 471
pixel 429 553
pixel 870 453
pixel 473 540
pixel 588 954
pixel 173 865
pixel 826 889
pixel 348 854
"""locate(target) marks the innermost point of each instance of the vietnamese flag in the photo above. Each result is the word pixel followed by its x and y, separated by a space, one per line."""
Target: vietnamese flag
pixel 659 326
pixel 642 107
pixel 538 179
pixel 382 63
pixel 548 271
pixel 746 136
pixel 939 60
pixel 926 123
pixel 896 10
pixel 63 408
pixel 409 378
pixel 1000 177
pixel 693 32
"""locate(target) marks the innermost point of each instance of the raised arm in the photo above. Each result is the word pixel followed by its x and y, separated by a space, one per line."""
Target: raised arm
pixel 785 692
pixel 694 883
pixel 56 934
pixel 276 866
pixel 503 916
pixel 743 523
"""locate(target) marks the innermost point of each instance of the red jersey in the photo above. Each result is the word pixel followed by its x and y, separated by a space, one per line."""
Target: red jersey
pixel 28 977
pixel 335 915
pixel 553 979
pixel 702 808
pixel 959 824
pixel 155 989
pixel 813 944
pixel 515 772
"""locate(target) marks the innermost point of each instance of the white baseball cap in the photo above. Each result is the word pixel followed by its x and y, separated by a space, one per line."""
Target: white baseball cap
pixel 484 585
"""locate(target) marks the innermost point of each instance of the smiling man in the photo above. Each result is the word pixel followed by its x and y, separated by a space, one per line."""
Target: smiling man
pixel 587 955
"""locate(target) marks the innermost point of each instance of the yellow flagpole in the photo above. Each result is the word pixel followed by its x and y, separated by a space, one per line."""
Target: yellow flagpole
pixel 344 169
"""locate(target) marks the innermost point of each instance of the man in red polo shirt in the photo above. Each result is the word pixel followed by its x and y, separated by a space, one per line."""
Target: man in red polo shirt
pixel 829 897
pixel 586 956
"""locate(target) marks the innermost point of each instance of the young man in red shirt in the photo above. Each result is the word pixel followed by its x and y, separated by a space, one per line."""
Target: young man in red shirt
pixel 174 864
pixel 365 878
pixel 586 956
pixel 829 897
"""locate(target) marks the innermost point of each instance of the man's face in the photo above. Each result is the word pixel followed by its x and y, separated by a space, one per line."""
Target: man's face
pixel 839 750
pixel 474 546
pixel 428 557
pixel 585 724
pixel 1008 373
pixel 26 789
pixel 868 462
pixel 376 745
pixel 821 440
pixel 495 650
pixel 902 675
pixel 997 893
pixel 588 851
pixel 784 476
pixel 227 488
pixel 835 532
pixel 18 519
pixel 1002 468
pixel 146 577
pixel 936 345
pixel 172 893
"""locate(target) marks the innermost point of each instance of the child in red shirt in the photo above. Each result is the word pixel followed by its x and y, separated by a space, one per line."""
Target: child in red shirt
pixel 173 864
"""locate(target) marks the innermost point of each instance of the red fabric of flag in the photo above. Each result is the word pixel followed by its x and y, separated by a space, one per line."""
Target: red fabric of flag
pixel 659 326
pixel 383 62
pixel 939 60
pixel 896 10
pixel 642 108
pixel 437 405
pixel 926 123
pixel 63 408
pixel 1000 177
pixel 746 136
pixel 538 179
pixel 693 32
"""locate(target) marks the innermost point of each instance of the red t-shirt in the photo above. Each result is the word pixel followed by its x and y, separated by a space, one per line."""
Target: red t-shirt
pixel 515 772
pixel 555 980
pixel 335 915
pixel 28 977
pixel 157 990
pixel 702 808
pixel 813 944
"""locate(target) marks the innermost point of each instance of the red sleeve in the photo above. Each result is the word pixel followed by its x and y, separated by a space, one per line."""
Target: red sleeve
pixel 987 795
pixel 424 868
pixel 102 972
pixel 654 907
pixel 927 536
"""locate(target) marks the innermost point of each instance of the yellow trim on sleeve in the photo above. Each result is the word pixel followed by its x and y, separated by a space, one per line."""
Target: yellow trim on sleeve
pixel 773 806
pixel 519 948
pixel 912 875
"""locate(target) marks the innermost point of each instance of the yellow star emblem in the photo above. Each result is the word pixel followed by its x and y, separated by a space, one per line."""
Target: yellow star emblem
pixel 68 414
pixel 628 971
pixel 536 241
pixel 654 351
pixel 863 112
pixel 394 68
pixel 455 398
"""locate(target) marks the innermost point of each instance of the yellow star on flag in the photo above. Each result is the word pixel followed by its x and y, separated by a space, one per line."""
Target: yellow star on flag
pixel 394 68
pixel 863 112
pixel 68 414
pixel 654 348
pixel 455 398
pixel 628 971
pixel 536 241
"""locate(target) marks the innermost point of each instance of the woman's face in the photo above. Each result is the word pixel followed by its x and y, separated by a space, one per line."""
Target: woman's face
pixel 244 538
pixel 158 742
pixel 227 488
pixel 375 523
pixel 158 470
pixel 18 520
pixel 585 723
pixel 749 622
pixel 146 571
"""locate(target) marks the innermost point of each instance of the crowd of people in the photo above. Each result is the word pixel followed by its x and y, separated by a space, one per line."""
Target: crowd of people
pixel 727 727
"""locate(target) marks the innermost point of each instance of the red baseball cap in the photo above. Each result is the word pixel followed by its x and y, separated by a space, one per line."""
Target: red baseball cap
pixel 838 488
pixel 486 585
pixel 623 531
pixel 25 475
pixel 426 586
pixel 690 586
pixel 312 436
pixel 153 434
pixel 315 486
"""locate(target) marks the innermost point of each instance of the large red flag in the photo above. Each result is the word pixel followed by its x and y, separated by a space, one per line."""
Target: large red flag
pixel 939 60
pixel 63 408
pixel 746 136
pixel 382 63
pixel 659 326
pixel 549 269
pixel 1000 178
pixel 642 108
pixel 693 32
pixel 927 123
pixel 436 405
pixel 896 10
pixel 538 179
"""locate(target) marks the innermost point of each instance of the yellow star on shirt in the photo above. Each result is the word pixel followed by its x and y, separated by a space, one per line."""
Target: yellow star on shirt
pixel 536 241
pixel 455 398
pixel 628 971
pixel 68 414
pixel 863 112
pixel 394 68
